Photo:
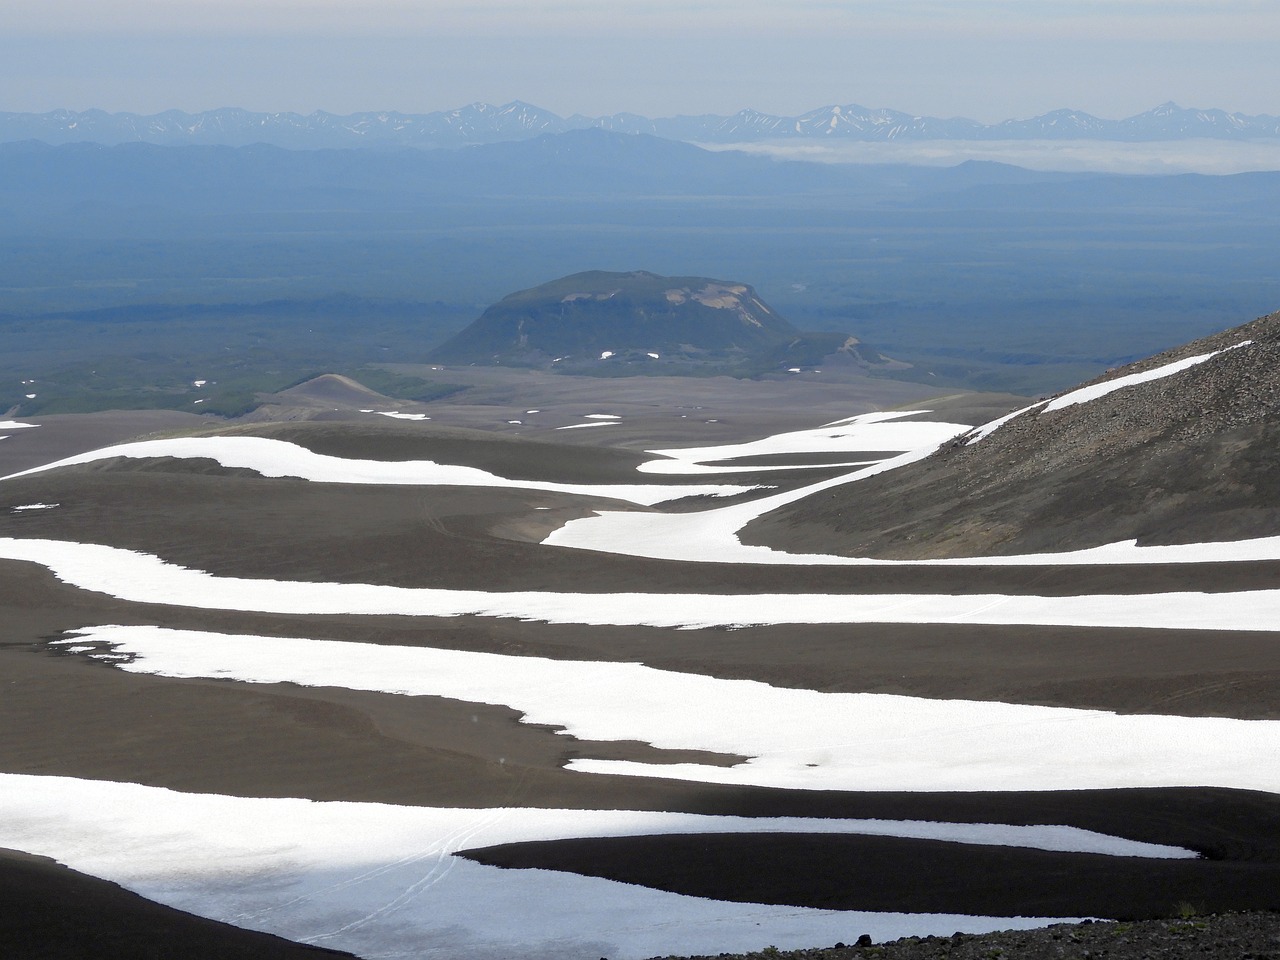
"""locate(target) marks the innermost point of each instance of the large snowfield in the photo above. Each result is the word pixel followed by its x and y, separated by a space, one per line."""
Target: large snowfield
pixel 383 881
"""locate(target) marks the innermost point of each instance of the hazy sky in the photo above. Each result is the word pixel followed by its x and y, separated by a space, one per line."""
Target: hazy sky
pixel 985 59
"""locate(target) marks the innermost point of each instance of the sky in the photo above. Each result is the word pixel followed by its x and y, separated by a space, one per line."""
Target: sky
pixel 984 59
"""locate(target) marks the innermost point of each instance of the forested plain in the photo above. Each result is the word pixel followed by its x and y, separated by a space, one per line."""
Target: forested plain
pixel 128 272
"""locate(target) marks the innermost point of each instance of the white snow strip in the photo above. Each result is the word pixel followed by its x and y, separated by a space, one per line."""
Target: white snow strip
pixel 16 425
pixel 1085 394
pixel 1097 390
pixel 396 415
pixel 35 506
pixel 383 881
pixel 987 429
pixel 795 738
pixel 277 458
pixel 143 578
pixel 678 468
pixel 868 432
pixel 593 423
pixel 711 536
pixel 708 535
pixel 602 416
pixel 606 354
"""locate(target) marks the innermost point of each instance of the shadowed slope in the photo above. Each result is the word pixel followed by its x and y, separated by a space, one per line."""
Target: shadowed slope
pixel 51 911
pixel 1188 457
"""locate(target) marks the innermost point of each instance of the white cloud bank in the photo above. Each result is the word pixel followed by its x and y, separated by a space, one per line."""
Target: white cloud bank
pixel 1210 157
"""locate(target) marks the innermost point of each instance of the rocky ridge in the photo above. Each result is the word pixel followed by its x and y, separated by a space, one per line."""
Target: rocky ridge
pixel 1183 458
pixel 1238 936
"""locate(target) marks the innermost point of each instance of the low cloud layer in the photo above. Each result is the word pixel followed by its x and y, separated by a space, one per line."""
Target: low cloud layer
pixel 1189 156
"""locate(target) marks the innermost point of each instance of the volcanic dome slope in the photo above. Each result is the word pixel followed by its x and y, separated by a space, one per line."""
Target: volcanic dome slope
pixel 602 322
pixel 1182 458
pixel 360 702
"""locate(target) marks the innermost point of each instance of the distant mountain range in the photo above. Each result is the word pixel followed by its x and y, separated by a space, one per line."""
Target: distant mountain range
pixel 485 123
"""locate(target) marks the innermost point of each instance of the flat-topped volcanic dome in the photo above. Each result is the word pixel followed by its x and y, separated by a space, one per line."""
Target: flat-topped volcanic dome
pixel 600 316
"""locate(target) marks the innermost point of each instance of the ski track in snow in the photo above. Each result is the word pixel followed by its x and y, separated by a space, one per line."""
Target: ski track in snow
pixel 382 881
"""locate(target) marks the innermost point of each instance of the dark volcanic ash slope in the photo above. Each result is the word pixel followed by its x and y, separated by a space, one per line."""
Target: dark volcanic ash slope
pixel 1188 457
pixel 602 322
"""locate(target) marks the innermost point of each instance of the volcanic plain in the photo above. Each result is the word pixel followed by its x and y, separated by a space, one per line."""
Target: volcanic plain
pixel 379 677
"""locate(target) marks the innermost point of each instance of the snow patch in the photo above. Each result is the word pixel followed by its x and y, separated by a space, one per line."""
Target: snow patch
pixel 881 431
pixel 382 880
pixel 1085 394
pixel 144 578
pixel 1098 390
pixel 795 738
pixel 278 458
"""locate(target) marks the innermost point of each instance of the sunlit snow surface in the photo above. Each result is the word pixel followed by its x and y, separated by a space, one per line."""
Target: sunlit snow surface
pixel 278 458
pixel 144 578
pixel 711 536
pixel 1097 390
pixel 800 739
pixel 382 880
pixel 865 433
